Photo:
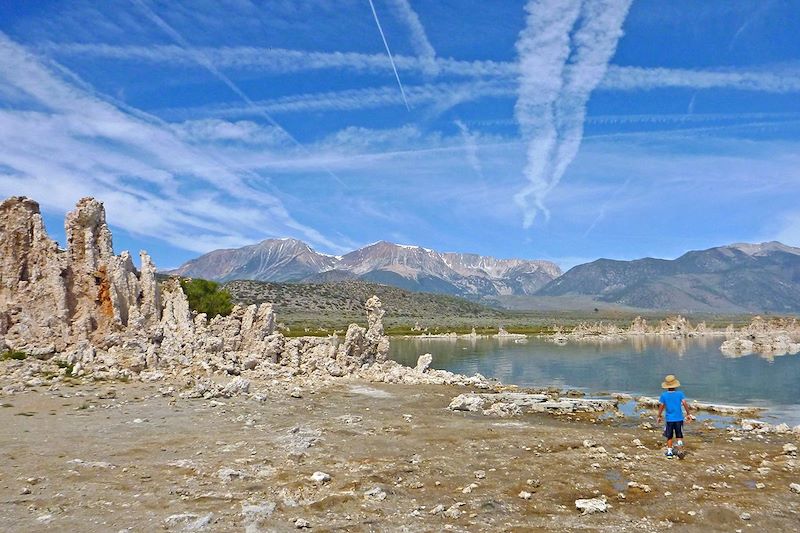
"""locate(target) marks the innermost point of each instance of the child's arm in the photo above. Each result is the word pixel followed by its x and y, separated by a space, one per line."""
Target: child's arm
pixel 660 411
pixel 688 412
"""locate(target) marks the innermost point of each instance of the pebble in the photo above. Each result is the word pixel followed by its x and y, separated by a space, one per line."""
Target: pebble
pixel 454 510
pixel 25 490
pixel 760 485
pixel 794 487
pixel 480 474
pixel 297 392
pixel 790 449
pixel 745 516
pixel 376 494
pixel 320 477
pixel 691 513
pixel 438 509
pixel 640 486
pixel 469 488
pixel 525 495
pixel 592 505
pixel 302 523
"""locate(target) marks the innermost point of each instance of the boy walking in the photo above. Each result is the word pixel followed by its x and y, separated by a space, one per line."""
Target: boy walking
pixel 673 402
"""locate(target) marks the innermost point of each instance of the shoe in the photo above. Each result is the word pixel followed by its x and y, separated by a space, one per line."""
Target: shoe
pixel 669 453
pixel 679 443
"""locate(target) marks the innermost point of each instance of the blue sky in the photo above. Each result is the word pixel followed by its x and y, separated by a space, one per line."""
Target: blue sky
pixel 558 129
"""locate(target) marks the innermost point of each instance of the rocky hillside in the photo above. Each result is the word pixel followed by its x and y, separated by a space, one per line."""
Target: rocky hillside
pixel 341 302
pixel 410 267
pixel 736 278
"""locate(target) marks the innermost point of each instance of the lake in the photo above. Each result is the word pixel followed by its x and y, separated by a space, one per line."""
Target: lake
pixel 636 366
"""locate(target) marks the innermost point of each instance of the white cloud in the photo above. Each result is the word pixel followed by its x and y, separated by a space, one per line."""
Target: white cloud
pixel 552 99
pixel 243 131
pixel 352 99
pixel 470 147
pixel 767 78
pixel 419 39
pixel 775 80
pixel 61 141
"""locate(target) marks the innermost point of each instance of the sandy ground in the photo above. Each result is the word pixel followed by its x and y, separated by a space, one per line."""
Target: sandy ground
pixel 136 457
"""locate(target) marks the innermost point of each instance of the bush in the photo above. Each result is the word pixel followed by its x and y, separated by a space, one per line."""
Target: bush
pixel 206 297
pixel 13 354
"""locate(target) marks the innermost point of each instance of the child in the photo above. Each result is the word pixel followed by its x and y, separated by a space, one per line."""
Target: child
pixel 672 400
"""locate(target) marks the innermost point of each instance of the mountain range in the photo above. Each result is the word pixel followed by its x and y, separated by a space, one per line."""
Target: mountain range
pixel 726 279
pixel 408 267
pixel 735 278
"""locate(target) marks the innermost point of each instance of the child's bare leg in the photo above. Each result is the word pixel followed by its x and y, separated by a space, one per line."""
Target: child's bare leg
pixel 669 443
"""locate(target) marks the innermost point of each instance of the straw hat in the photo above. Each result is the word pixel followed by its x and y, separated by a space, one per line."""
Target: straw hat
pixel 670 382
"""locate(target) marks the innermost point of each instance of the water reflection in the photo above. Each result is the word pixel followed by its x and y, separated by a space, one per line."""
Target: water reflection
pixel 636 365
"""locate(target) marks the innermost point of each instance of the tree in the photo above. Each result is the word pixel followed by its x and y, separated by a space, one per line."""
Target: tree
pixel 207 297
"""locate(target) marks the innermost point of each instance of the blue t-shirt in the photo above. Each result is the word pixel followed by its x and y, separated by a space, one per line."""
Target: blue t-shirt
pixel 672 403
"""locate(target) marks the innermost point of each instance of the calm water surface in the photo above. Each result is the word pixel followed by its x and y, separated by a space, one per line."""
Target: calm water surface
pixel 635 366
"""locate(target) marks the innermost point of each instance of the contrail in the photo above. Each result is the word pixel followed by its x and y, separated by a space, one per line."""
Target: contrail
pixel 419 40
pixel 209 65
pixel 389 53
pixel 551 108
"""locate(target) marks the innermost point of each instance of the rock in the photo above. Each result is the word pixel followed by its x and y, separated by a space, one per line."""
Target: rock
pixel 423 363
pixel 375 494
pixel 789 449
pixel 745 516
pixel 592 505
pixel 25 490
pixel 188 521
pixel 454 511
pixel 469 488
pixel 480 474
pixel 589 443
pixel 525 495
pixel 795 487
pixel 640 486
pixel 438 509
pixel 467 402
pixel 237 385
pixel 320 477
pixel 302 523
pixel 513 403
pixel 257 515
pixel 110 320
pixel 297 392
pixel 227 474
pixel 107 394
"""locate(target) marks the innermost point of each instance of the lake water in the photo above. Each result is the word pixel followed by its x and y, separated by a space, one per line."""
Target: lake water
pixel 636 366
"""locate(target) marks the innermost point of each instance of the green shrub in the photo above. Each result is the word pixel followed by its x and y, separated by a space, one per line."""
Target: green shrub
pixel 206 297
pixel 13 354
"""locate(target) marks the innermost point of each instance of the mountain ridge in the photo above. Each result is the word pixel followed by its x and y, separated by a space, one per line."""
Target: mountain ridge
pixel 407 266
pixel 741 277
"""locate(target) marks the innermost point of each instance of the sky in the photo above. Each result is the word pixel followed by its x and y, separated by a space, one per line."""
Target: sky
pixel 565 130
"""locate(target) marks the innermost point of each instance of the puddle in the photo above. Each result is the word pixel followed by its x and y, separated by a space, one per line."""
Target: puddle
pixel 619 483
pixel 369 391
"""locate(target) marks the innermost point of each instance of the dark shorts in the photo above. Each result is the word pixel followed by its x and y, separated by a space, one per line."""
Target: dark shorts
pixel 673 429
